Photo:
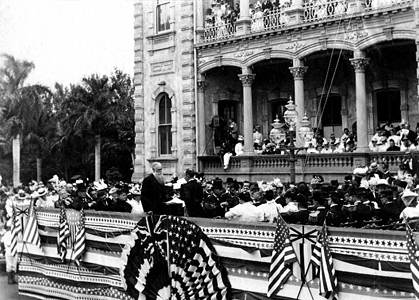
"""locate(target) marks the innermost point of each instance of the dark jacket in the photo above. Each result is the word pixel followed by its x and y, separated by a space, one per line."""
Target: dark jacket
pixel 335 216
pixel 153 195
pixel 192 193
pixel 212 207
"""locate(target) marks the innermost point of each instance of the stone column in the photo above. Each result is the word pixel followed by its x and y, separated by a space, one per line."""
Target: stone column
pixel 247 79
pixel 201 124
pixel 244 22
pixel 199 21
pixel 298 70
pixel 360 63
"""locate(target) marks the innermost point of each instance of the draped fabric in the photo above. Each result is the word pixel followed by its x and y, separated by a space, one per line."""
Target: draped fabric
pixel 171 258
pixel 63 234
pixel 31 233
pixel 16 229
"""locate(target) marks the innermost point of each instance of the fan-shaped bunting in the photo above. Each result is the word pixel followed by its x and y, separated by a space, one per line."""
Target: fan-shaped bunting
pixel 171 258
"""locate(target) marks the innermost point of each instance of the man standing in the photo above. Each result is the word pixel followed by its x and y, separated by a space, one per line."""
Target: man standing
pixel 192 193
pixel 153 194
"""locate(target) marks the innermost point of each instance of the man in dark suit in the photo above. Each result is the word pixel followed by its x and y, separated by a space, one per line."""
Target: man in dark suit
pixel 192 193
pixel 153 194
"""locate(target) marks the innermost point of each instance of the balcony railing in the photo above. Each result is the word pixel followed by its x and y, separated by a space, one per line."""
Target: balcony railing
pixel 330 166
pixel 379 4
pixel 270 21
pixel 316 10
pixel 313 11
pixel 219 32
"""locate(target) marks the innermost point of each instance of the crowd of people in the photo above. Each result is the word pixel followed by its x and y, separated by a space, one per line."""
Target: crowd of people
pixel 263 14
pixel 371 197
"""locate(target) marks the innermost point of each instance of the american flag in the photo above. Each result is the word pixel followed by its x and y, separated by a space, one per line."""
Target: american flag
pixel 173 254
pixel 63 234
pixel 31 233
pixel 322 259
pixel 283 256
pixel 80 241
pixel 16 229
pixel 414 267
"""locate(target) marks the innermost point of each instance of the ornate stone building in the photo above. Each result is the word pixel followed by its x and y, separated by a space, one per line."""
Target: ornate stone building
pixel 346 63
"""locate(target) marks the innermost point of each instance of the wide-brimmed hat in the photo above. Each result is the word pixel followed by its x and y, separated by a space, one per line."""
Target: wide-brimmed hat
pixel 42 191
pixel 21 195
pixel 374 166
pixel 241 138
pixel 408 196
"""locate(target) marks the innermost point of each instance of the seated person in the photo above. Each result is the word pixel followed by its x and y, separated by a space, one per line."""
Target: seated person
pixel 392 146
pixel 212 204
pixel 318 216
pixel 245 211
pixel 269 211
pixel 373 145
pixel 393 136
pixel 410 200
pixel 335 216
pixel 326 149
pixel 238 150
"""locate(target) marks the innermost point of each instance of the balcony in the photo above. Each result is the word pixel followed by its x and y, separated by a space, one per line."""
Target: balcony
pixel 266 167
pixel 311 12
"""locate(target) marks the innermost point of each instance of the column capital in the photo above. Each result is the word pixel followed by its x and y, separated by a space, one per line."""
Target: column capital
pixel 359 64
pixel 247 79
pixel 202 84
pixel 298 72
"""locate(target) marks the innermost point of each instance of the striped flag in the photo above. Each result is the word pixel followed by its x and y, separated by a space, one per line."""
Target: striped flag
pixel 15 230
pixel 63 234
pixel 283 256
pixel 31 233
pixel 322 259
pixel 80 241
pixel 414 266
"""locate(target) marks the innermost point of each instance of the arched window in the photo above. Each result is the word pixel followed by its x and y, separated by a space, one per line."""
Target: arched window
pixel 165 125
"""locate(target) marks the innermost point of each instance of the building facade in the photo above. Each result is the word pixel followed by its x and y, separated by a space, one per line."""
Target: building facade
pixel 345 63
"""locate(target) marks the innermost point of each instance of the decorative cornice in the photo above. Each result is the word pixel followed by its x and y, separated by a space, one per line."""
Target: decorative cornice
pixel 359 64
pixel 298 72
pixel 247 79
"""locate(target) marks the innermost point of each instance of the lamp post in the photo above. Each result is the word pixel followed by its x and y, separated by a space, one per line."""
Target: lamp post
pixel 304 134
pixel 290 117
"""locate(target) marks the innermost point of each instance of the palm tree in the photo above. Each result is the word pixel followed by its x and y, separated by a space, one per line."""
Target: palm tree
pixel 21 105
pixel 99 108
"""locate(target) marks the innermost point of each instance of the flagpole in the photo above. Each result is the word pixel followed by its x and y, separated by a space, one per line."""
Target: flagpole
pixel 168 257
pixel 305 282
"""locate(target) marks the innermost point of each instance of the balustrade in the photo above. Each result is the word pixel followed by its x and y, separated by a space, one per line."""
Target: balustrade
pixel 271 20
pixel 331 166
pixel 316 10
pixel 219 32
pixel 378 4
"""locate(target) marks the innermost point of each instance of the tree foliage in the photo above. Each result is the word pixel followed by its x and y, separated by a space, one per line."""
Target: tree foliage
pixel 60 126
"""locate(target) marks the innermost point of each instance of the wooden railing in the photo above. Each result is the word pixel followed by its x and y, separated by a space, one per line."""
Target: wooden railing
pixel 265 167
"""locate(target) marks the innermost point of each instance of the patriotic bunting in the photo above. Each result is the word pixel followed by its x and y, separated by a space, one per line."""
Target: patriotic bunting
pixel 173 258
pixel 414 266
pixel 63 234
pixel 283 256
pixel 16 229
pixel 31 232
pixel 80 241
pixel 322 259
